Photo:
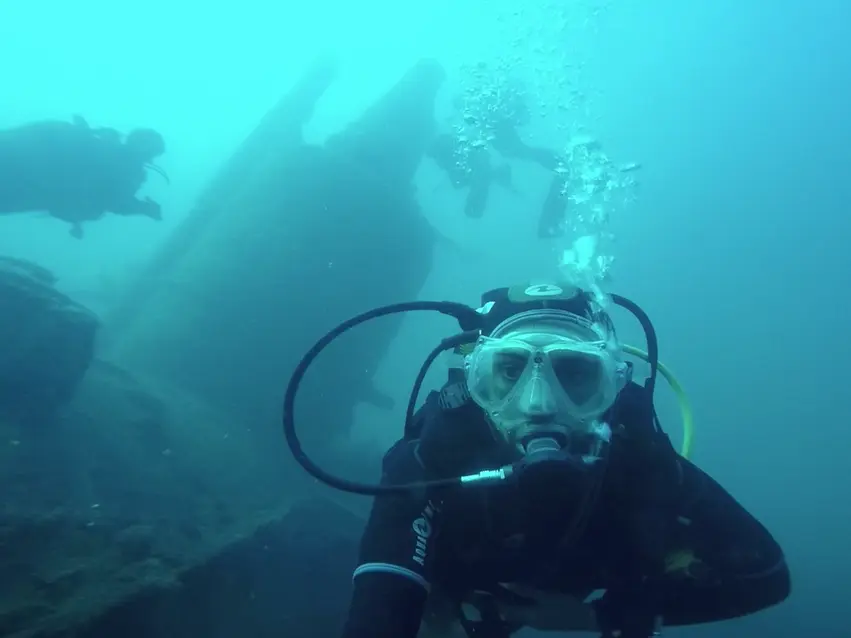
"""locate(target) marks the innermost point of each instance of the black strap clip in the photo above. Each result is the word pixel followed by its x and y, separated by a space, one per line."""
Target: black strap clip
pixel 454 396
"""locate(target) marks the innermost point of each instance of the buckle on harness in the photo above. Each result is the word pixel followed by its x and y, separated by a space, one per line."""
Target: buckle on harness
pixel 454 396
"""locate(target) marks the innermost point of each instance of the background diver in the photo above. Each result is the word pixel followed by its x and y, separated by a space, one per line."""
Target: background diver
pixel 538 489
pixel 77 173
pixel 469 165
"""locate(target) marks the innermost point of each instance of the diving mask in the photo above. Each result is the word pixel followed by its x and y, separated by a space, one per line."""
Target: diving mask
pixel 545 369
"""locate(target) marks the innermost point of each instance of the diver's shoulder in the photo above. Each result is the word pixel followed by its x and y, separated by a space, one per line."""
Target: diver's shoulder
pixel 633 405
pixel 635 425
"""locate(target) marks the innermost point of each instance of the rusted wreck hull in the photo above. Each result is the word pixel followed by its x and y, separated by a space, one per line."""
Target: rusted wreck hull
pixel 171 453
pixel 305 238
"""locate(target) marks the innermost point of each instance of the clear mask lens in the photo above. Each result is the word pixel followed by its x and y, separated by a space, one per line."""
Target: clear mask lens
pixel 528 378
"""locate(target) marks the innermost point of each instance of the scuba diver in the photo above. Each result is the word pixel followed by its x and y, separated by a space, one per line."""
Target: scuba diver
pixel 537 489
pixel 469 165
pixel 509 144
pixel 77 173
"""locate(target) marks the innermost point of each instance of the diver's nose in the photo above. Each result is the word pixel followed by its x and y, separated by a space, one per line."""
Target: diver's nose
pixel 539 402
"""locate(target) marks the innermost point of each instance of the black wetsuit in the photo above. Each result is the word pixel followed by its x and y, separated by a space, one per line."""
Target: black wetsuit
pixel 507 141
pixel 554 210
pixel 71 171
pixel 652 508
pixel 479 173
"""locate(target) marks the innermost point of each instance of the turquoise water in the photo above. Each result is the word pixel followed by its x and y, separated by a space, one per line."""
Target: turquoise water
pixel 733 237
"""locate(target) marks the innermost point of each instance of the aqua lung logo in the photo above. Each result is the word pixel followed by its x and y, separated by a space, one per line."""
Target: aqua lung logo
pixel 543 290
pixel 422 531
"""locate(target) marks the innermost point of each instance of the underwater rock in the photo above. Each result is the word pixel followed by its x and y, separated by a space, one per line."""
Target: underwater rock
pixel 48 342
pixel 132 487
pixel 293 575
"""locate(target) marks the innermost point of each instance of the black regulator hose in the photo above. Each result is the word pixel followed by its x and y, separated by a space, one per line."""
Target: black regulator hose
pixel 468 319
pixel 449 343
pixel 649 336
pixel 471 323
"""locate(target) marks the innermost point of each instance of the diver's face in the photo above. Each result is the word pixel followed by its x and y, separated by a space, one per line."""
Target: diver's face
pixel 548 388
pixel 549 376
pixel 536 408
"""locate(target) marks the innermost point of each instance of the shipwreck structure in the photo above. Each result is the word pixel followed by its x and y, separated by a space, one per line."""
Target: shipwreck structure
pixel 157 477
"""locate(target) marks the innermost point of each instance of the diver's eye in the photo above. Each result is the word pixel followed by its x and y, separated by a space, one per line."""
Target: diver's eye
pixel 576 370
pixel 579 377
pixel 509 366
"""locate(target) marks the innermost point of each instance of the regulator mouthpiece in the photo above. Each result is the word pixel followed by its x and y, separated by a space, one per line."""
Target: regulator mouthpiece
pixel 543 448
pixel 545 458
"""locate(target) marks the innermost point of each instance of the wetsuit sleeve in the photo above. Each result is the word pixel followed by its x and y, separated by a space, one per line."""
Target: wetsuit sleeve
pixel 391 582
pixel 737 568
